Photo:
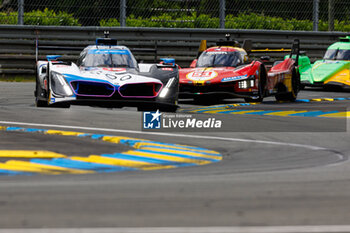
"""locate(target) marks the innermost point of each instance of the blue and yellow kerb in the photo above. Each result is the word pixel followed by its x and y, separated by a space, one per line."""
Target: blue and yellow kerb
pixel 144 155
pixel 230 109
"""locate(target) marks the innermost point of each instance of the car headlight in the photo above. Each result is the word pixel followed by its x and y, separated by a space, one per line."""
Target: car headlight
pixel 165 89
pixel 59 85
pixel 248 83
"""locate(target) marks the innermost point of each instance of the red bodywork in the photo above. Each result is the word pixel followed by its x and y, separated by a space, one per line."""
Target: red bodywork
pixel 197 81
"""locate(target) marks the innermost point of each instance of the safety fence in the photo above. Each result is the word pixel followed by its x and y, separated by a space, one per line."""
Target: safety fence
pixel 18 43
pixel 234 14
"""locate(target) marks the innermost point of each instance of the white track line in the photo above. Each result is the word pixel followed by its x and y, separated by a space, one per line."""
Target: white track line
pixel 165 134
pixel 255 229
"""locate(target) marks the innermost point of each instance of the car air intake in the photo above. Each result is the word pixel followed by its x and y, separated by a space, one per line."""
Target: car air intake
pixel 140 90
pixel 95 89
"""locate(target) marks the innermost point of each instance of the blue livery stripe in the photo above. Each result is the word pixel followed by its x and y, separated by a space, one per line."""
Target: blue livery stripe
pixel 109 51
pixel 72 77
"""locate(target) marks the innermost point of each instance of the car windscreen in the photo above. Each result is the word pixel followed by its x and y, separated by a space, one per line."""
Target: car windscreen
pixel 109 58
pixel 219 59
pixel 337 54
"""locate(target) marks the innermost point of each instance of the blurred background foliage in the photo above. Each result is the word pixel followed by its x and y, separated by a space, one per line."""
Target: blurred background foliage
pixel 240 14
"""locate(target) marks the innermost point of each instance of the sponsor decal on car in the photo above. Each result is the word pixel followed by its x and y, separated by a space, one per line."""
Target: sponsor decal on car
pixel 118 70
pixel 109 51
pixel 217 52
pixel 201 75
pixel 168 69
pixel 230 79
pixel 60 66
pixel 88 68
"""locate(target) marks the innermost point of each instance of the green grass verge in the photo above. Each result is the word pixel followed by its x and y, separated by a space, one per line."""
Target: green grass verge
pixel 17 79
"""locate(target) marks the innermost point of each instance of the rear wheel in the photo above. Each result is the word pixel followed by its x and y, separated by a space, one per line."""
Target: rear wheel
pixel 292 95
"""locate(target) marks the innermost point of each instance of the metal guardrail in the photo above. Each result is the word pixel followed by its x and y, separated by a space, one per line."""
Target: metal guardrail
pixel 17 43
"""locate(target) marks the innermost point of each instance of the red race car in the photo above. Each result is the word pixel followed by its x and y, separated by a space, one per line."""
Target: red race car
pixel 223 72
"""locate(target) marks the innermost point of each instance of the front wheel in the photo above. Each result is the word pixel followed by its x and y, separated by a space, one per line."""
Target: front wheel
pixel 44 103
pixel 38 102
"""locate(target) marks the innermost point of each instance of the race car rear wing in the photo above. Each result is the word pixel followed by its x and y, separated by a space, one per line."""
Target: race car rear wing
pixel 344 39
pixel 248 46
pixel 294 50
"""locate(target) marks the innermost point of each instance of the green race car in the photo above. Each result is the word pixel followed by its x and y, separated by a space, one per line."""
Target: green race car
pixel 333 70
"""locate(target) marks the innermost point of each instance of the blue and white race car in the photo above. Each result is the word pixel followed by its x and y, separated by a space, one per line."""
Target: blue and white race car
pixel 108 75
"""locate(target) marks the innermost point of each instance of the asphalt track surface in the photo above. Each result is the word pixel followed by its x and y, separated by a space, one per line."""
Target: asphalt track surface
pixel 288 178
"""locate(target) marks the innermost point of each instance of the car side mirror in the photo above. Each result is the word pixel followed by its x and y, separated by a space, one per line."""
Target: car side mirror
pixel 193 64
pixel 265 58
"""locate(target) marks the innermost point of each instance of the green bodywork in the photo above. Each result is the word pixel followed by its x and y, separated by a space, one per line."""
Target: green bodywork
pixel 336 59
pixel 321 71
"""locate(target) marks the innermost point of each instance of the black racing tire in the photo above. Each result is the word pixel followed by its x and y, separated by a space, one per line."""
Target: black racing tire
pixel 44 103
pixel 291 96
pixel 38 102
